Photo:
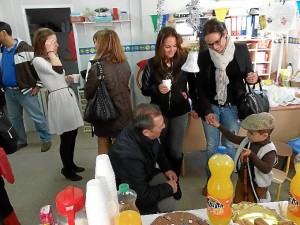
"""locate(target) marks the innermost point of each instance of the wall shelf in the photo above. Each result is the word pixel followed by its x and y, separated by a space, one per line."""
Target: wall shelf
pixel 261 55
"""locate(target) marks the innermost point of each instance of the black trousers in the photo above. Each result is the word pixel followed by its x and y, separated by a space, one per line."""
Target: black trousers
pixel 66 149
pixel 5 207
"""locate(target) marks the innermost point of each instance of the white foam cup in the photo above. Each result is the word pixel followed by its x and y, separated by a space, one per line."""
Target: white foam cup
pixel 167 83
pixel 76 78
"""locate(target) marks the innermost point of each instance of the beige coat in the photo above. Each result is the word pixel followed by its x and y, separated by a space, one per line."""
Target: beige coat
pixel 116 77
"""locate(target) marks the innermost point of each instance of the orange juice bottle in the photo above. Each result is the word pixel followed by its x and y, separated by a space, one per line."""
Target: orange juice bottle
pixel 220 188
pixel 128 212
pixel 293 212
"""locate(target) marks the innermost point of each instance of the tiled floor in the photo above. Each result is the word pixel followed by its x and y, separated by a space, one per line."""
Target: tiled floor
pixel 38 177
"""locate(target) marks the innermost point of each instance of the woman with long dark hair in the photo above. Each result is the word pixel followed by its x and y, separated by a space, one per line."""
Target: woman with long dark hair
pixel 223 66
pixel 174 100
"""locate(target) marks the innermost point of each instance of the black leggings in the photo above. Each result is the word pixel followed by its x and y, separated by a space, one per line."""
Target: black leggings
pixel 5 207
pixel 66 149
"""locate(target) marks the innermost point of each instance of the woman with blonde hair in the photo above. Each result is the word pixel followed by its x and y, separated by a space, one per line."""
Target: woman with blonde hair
pixel 109 52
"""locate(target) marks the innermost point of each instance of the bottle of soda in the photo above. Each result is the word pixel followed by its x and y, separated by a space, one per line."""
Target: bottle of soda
pixel 128 212
pixel 220 188
pixel 293 211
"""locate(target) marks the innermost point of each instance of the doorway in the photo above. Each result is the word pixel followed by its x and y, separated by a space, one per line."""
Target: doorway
pixel 58 20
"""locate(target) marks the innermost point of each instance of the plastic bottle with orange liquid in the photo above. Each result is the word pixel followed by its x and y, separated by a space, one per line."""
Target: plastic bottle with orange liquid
pixel 220 188
pixel 293 212
pixel 128 212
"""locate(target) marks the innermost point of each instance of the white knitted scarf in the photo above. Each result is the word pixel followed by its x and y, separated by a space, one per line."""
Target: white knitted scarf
pixel 221 61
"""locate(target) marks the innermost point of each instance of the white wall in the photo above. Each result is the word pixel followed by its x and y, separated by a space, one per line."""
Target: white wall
pixel 138 31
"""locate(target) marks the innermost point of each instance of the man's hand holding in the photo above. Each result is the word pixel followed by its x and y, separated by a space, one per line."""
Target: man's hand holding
pixel 173 184
pixel 35 90
pixel 171 175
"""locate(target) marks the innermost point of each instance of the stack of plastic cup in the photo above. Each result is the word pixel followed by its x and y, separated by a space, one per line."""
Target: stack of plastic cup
pixel 96 204
pixel 105 174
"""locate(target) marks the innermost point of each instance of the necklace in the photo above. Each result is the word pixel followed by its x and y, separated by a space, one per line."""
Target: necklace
pixel 170 70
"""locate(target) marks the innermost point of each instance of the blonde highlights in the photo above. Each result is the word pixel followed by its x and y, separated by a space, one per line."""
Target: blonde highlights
pixel 39 39
pixel 108 44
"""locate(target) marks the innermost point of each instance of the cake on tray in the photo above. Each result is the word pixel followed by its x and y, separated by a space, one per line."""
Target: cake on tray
pixel 178 218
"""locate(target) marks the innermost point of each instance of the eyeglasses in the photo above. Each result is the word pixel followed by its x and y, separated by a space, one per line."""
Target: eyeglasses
pixel 217 42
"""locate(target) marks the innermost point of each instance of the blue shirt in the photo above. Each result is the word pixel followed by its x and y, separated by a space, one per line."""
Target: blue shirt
pixel 9 76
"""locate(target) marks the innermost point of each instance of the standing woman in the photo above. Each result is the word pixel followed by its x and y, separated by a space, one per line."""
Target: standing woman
pixel 174 104
pixel 223 66
pixel 63 112
pixel 109 52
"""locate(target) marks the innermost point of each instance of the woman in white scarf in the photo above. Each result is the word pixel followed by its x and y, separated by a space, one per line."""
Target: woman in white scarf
pixel 223 66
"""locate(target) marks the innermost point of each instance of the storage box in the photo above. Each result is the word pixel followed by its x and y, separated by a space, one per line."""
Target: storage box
pixel 263 44
pixel 76 19
pixel 260 57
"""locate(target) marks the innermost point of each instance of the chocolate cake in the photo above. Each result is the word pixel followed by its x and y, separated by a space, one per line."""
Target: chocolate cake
pixel 178 218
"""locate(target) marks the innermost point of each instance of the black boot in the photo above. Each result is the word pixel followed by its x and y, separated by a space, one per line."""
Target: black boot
pixel 176 165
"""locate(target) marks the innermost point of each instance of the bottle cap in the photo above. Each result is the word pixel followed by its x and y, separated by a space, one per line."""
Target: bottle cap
pixel 123 187
pixel 221 149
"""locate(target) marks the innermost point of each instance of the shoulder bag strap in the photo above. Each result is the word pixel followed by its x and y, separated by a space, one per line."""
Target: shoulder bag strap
pixel 100 71
pixel 253 87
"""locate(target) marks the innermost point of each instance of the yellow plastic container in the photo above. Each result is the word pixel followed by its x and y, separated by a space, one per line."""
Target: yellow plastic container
pixel 220 188
pixel 293 212
pixel 128 217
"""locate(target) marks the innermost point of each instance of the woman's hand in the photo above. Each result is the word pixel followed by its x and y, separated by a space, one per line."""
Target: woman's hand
pixel 210 119
pixel 50 45
pixel 193 114
pixel 163 89
pixel 215 123
pixel 252 78
pixel 69 78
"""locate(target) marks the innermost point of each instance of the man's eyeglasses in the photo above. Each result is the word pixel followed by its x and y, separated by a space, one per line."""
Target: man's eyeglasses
pixel 217 42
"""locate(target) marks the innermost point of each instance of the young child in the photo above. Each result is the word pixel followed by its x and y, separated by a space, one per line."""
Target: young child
pixel 259 153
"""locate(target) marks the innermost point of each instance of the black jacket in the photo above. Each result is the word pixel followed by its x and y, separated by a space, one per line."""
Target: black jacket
pixel 133 162
pixel 236 71
pixel 179 104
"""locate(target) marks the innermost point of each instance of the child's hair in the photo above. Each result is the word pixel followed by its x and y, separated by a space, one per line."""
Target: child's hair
pixel 268 131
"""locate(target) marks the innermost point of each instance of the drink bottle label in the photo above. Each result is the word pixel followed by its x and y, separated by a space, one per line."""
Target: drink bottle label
pixel 220 208
pixel 293 205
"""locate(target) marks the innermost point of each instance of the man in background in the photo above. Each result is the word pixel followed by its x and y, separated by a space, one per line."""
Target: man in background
pixel 21 85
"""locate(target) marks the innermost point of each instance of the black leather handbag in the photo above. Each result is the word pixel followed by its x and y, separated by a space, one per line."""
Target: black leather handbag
pixel 8 135
pixel 100 107
pixel 254 101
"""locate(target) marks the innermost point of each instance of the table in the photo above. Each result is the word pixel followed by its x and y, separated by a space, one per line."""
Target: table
pixel 148 219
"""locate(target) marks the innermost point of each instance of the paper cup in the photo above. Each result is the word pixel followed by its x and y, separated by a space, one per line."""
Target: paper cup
pixel 167 83
pixel 76 78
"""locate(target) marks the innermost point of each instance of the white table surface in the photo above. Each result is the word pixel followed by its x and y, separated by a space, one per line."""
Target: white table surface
pixel 148 219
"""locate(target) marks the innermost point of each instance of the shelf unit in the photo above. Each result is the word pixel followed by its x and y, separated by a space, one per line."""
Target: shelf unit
pixel 261 55
pixel 82 104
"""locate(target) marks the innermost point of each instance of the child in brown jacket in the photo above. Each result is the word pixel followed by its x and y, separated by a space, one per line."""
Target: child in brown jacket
pixel 257 153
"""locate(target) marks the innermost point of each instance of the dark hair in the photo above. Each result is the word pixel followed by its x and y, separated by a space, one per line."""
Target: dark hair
pixel 143 116
pixel 39 39
pixel 160 66
pixel 6 27
pixel 213 26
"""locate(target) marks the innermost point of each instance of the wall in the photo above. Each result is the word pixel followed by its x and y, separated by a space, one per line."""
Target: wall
pixel 138 31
